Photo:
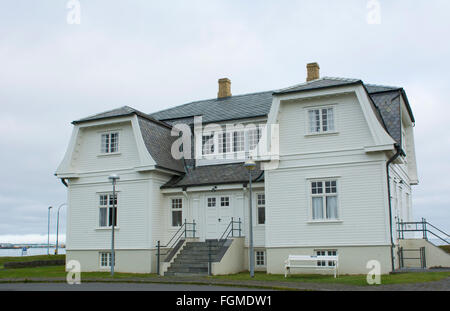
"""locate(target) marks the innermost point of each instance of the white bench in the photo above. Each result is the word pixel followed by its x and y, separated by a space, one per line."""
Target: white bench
pixel 302 261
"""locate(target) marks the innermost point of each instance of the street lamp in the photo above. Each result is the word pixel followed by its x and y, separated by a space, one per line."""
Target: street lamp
pixel 113 178
pixel 250 165
pixel 57 227
pixel 48 234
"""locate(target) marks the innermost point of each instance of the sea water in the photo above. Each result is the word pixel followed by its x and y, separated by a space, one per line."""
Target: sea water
pixel 17 252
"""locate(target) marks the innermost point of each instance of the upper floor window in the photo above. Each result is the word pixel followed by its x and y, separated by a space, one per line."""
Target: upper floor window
pixel 321 120
pixel 324 200
pixel 110 142
pixel 231 141
pixel 208 144
pixel 107 210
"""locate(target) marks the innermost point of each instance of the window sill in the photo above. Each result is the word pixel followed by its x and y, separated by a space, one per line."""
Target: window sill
pixel 108 154
pixel 335 221
pixel 107 228
pixel 321 134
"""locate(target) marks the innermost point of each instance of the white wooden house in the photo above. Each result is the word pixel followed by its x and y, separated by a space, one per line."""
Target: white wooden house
pixel 326 195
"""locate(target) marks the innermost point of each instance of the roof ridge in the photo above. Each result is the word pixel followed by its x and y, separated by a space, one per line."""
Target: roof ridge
pixel 320 79
pixel 386 86
pixel 205 100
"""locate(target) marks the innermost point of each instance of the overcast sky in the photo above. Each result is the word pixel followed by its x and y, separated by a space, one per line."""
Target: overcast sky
pixel 152 55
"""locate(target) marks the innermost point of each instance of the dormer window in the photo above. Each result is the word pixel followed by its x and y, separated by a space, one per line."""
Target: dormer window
pixel 229 142
pixel 321 120
pixel 110 142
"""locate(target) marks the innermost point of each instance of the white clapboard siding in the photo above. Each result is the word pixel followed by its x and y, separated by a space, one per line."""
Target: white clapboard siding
pixel 88 158
pixel 352 129
pixel 362 207
pixel 84 232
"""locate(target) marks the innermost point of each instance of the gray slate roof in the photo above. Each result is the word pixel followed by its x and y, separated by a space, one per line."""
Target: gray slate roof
pixel 214 110
pixel 389 107
pixel 158 141
pixel 325 82
pixel 215 175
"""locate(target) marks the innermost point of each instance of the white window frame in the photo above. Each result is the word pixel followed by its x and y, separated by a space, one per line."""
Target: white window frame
pixel 257 264
pixel 105 150
pixel 172 209
pixel 108 208
pixel 325 252
pixel 224 201
pixel 246 140
pixel 323 195
pixel 258 206
pixel 108 260
pixel 321 120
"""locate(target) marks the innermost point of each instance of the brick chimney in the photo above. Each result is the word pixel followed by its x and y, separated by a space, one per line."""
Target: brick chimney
pixel 313 71
pixel 224 88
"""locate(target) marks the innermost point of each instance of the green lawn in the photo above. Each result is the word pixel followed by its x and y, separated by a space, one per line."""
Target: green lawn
pixel 343 279
pixel 445 248
pixel 59 272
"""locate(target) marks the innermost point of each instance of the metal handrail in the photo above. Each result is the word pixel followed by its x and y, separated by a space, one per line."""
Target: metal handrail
pixel 182 231
pixel 419 226
pixel 231 231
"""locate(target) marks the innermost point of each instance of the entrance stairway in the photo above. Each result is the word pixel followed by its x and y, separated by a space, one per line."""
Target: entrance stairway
pixel 194 258
pixel 420 253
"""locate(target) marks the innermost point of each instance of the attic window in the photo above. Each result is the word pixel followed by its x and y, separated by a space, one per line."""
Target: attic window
pixel 321 120
pixel 110 142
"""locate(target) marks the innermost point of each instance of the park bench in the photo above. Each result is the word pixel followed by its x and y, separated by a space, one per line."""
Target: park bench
pixel 310 262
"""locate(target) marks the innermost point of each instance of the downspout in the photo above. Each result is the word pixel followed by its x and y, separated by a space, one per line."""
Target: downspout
pixel 389 162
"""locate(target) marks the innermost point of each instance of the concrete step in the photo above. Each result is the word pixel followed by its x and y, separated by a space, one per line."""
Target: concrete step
pixel 184 274
pixel 188 269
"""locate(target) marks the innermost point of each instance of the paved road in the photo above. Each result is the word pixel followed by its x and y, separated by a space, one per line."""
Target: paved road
pixel 115 287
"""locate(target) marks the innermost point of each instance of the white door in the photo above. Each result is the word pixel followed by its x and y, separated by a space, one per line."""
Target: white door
pixel 218 215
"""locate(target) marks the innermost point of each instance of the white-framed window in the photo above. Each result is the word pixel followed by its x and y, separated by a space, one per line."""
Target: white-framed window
pixel 260 258
pixel 253 137
pixel 208 144
pixel 231 141
pixel 239 141
pixel 110 142
pixel 324 200
pixel 176 212
pixel 106 260
pixel 225 201
pixel 324 263
pixel 211 202
pixel 321 120
pixel 261 208
pixel 225 145
pixel 107 210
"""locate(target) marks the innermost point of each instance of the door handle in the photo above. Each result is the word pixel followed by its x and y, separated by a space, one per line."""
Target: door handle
pixel 219 219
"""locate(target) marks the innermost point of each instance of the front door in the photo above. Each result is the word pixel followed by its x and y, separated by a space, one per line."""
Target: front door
pixel 218 215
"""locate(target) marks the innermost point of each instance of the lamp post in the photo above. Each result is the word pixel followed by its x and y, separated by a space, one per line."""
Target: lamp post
pixel 57 228
pixel 113 178
pixel 250 165
pixel 48 231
